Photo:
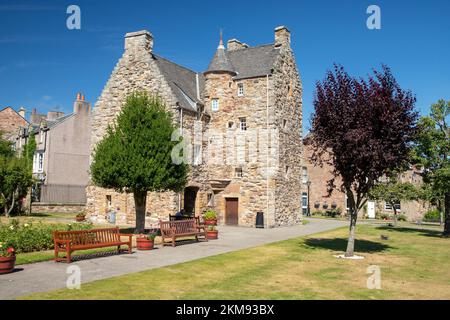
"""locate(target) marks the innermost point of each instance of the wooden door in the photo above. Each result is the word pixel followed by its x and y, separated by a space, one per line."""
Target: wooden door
pixel 232 211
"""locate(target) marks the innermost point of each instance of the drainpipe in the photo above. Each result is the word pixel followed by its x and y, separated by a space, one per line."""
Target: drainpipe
pixel 266 221
pixel 181 132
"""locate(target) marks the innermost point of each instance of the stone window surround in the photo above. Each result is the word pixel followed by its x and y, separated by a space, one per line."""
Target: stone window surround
pixel 215 104
pixel 240 89
pixel 243 123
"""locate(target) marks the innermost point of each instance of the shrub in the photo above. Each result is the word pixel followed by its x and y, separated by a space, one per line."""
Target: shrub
pixel 317 213
pixel 382 216
pixel 30 236
pixel 334 213
pixel 432 216
pixel 402 217
pixel 210 215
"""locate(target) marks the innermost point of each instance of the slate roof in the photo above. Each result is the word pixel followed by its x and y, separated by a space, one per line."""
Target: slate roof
pixel 221 62
pixel 244 63
pixel 183 82
pixel 253 61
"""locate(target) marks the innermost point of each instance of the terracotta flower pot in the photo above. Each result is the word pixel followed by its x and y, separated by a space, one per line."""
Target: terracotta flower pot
pixel 144 244
pixel 7 264
pixel 212 222
pixel 212 235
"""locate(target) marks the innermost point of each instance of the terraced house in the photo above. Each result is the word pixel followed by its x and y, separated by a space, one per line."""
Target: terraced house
pixel 243 118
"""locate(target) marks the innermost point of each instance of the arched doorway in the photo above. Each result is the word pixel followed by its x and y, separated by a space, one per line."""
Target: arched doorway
pixel 190 197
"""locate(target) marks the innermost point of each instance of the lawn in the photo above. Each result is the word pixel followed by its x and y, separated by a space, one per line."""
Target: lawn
pixel 414 263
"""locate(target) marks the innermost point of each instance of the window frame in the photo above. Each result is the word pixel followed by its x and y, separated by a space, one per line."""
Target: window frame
pixel 240 91
pixel 243 123
pixel 215 105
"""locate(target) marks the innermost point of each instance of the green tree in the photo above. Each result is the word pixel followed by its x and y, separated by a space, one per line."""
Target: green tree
pixel 135 154
pixel 432 153
pixel 394 192
pixel 15 180
pixel 29 150
pixel 5 147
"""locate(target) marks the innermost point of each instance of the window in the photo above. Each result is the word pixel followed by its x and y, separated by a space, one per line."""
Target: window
pixel 240 89
pixel 305 203
pixel 230 124
pixel 387 206
pixel 304 174
pixel 238 173
pixel 38 162
pixel 108 202
pixel 197 155
pixel 287 170
pixel 41 136
pixel 243 124
pixel 284 123
pixel 215 105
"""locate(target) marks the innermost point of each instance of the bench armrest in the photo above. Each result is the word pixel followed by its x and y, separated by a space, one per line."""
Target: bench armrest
pixel 66 242
pixel 129 235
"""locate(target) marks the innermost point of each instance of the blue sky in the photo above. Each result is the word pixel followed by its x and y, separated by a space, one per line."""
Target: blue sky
pixel 43 64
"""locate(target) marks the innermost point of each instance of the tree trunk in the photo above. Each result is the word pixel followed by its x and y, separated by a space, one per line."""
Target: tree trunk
pixel 395 215
pixel 140 199
pixel 351 237
pixel 447 214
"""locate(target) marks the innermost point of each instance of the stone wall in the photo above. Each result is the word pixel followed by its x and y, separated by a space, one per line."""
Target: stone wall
pixel 10 122
pixel 287 106
pixel 57 208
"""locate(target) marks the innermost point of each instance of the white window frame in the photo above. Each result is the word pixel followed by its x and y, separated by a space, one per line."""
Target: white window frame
pixel 305 197
pixel 243 124
pixel 215 105
pixel 241 91
pixel 38 162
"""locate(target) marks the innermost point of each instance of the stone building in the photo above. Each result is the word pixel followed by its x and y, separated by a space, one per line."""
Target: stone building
pixel 243 117
pixel 316 199
pixel 10 123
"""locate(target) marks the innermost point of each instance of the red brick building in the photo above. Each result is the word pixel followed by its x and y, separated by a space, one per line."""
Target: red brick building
pixel 315 192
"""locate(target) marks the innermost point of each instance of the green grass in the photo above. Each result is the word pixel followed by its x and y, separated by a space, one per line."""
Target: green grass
pixel 415 264
pixel 39 256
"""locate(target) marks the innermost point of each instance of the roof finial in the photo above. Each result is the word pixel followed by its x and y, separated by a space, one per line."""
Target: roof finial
pixel 221 46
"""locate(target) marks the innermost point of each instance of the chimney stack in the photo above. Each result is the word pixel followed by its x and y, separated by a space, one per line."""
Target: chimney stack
pixel 235 44
pixel 22 112
pixel 139 41
pixel 80 105
pixel 282 37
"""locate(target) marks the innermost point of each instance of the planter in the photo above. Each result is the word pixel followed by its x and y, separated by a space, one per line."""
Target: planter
pixel 212 235
pixel 212 222
pixel 80 219
pixel 144 244
pixel 7 264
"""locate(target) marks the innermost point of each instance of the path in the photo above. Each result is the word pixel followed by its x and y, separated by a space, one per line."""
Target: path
pixel 47 276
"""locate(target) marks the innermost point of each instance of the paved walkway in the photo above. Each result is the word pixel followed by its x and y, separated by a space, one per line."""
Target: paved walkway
pixel 47 276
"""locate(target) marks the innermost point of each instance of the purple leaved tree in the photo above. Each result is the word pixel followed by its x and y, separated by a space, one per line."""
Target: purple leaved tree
pixel 367 127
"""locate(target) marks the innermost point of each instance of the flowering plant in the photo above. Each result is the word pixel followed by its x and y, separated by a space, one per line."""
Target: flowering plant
pixel 6 251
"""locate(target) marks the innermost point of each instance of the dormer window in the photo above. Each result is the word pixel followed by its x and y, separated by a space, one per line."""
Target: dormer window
pixel 240 89
pixel 215 105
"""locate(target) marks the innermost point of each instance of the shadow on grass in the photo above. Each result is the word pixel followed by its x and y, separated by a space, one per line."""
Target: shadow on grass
pixel 339 244
pixel 424 232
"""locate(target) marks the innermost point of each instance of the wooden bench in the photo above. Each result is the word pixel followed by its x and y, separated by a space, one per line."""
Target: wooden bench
pixel 180 229
pixel 70 241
